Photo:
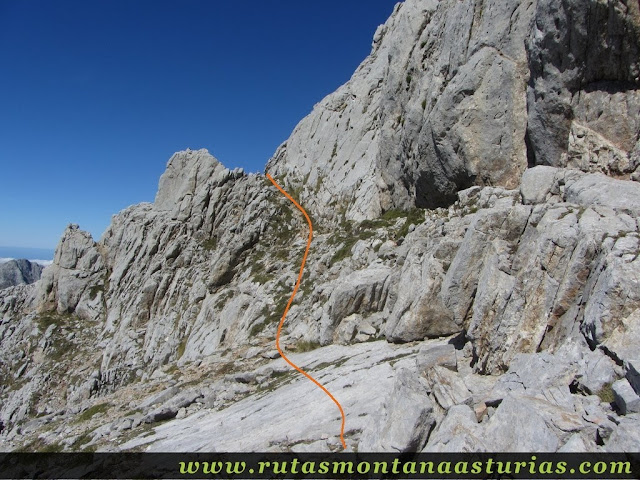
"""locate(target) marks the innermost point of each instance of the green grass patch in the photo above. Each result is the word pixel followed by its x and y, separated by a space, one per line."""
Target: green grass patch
pixel 45 320
pixel 393 214
pixel 262 278
pixel 345 250
pixel 81 440
pixel 258 269
pixel 92 411
pixel 306 346
pixel 59 349
pixel 414 216
pixel 274 314
pixel 353 233
pixel 307 286
pixel 323 365
pixel 606 393
pixel 54 447
pixel 282 254
pixel 318 185
pixel 372 224
pixel 210 244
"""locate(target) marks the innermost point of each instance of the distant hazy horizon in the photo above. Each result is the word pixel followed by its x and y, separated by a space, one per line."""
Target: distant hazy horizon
pixel 32 254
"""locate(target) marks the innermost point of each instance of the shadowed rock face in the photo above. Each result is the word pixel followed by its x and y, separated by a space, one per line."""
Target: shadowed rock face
pixel 511 305
pixel 438 106
pixel 19 272
pixel 584 84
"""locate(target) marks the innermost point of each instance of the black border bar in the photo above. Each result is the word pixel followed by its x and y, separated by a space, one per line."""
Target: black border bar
pixel 22 465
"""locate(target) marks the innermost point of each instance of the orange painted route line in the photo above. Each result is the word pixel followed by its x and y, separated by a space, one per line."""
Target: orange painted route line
pixel 286 310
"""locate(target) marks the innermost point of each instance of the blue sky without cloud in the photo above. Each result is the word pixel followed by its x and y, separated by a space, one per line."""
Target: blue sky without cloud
pixel 96 96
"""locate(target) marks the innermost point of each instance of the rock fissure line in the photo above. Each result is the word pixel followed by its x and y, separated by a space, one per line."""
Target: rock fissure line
pixel 286 310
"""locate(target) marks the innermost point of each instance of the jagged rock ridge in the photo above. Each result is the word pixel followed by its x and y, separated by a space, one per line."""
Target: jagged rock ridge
pixel 449 315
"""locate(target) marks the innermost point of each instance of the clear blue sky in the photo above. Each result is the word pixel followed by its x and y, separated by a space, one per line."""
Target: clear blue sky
pixel 95 96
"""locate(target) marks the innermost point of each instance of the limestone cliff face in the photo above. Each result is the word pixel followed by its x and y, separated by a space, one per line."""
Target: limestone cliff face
pixel 583 95
pixel 511 305
pixel 456 94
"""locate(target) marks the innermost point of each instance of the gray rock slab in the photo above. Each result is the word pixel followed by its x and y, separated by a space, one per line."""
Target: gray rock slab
pixel 626 398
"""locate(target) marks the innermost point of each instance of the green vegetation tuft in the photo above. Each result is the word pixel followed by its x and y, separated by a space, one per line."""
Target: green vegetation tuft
pixel 92 411
pixel 80 441
pixel 223 299
pixel 258 269
pixel 282 254
pixel 52 448
pixel 366 229
pixel 345 250
pixel 273 315
pixel 307 286
pixel 39 445
pixel 257 328
pixel 93 291
pixel 281 373
pixel 606 393
pixel 412 217
pixel 45 320
pixel 133 412
pixel 306 346
pixel 182 347
pixel 210 244
pixel 261 278
pixel 372 224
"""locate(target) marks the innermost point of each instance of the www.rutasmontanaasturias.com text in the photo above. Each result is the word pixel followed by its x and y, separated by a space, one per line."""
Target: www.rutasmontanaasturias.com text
pixel 399 467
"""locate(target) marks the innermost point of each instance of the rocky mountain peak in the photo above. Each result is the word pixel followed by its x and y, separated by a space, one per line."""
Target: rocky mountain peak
pixel 185 171
pixel 73 247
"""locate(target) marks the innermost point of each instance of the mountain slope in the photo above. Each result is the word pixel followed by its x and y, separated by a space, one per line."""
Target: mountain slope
pixel 510 305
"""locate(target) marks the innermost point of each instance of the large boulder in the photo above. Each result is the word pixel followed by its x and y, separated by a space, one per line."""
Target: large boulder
pixel 406 420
